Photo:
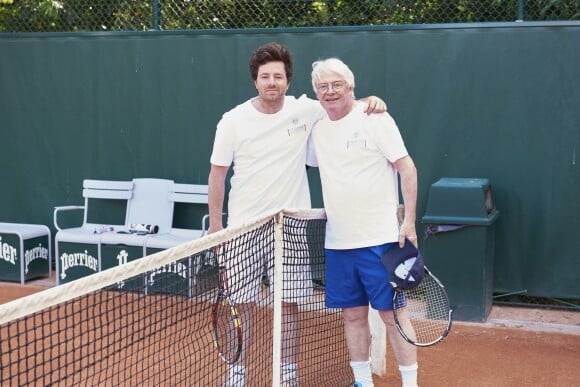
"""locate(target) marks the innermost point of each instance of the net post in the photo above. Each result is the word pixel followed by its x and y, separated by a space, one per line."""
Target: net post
pixel 278 292
pixel 378 350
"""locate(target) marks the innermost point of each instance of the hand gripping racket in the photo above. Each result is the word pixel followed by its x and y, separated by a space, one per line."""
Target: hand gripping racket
pixel 226 322
pixel 423 313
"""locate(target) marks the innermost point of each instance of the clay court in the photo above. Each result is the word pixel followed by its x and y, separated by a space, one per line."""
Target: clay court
pixel 515 347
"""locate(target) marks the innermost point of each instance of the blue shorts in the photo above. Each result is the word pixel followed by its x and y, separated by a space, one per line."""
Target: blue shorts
pixel 357 277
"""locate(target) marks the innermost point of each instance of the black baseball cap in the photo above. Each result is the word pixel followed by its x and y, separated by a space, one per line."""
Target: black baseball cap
pixel 405 265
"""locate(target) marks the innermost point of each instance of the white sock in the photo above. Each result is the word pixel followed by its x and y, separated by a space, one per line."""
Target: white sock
pixel 409 375
pixel 362 372
pixel 288 371
pixel 237 375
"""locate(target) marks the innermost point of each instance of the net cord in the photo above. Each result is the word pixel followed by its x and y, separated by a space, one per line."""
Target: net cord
pixel 50 297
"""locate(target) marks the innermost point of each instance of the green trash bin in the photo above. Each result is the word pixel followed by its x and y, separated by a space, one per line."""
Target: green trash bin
pixel 459 243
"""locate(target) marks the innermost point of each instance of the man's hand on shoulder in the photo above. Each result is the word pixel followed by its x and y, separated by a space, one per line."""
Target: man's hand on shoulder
pixel 375 105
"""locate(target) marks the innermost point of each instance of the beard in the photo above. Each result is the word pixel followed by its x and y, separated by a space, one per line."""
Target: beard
pixel 272 95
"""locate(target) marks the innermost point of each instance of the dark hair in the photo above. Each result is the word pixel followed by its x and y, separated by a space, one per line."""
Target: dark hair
pixel 271 52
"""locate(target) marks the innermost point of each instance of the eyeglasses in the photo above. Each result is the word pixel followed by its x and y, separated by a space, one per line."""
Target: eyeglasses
pixel 336 86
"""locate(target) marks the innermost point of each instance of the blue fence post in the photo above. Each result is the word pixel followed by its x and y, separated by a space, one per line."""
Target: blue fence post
pixel 156 17
pixel 520 15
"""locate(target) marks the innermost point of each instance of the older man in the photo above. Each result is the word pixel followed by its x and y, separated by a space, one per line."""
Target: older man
pixel 358 157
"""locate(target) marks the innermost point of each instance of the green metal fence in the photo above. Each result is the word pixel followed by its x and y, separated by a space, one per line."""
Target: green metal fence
pixel 132 15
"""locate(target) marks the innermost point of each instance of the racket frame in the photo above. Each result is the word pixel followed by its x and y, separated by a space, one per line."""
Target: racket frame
pixel 449 317
pixel 224 299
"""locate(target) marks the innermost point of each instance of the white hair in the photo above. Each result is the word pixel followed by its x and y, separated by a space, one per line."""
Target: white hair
pixel 332 66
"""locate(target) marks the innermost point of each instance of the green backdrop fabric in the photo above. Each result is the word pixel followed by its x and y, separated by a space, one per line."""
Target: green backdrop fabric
pixel 499 101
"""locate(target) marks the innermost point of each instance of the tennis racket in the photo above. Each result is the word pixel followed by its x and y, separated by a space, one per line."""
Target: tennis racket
pixel 423 313
pixel 226 322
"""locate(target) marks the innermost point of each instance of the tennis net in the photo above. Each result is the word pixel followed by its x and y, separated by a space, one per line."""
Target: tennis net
pixel 148 322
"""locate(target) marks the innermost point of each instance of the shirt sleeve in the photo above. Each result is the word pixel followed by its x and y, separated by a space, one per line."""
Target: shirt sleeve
pixel 311 159
pixel 389 139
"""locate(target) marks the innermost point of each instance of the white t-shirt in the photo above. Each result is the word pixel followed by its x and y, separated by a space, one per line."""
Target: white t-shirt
pixel 354 156
pixel 268 152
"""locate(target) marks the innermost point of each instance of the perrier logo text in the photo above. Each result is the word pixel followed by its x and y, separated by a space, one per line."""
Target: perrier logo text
pixel 8 252
pixel 68 261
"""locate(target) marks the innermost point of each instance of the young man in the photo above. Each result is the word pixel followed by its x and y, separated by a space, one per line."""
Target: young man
pixel 265 139
pixel 358 157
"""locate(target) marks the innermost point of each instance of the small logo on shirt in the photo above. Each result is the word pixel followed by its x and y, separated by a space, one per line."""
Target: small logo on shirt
pixel 296 129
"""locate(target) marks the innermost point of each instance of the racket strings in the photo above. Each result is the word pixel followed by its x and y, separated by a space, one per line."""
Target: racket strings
pixel 423 313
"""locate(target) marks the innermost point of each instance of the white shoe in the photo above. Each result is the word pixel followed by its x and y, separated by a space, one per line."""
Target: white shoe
pixel 290 382
pixel 289 377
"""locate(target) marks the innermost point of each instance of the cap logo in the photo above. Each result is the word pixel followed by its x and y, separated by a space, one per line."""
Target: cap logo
pixel 403 269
